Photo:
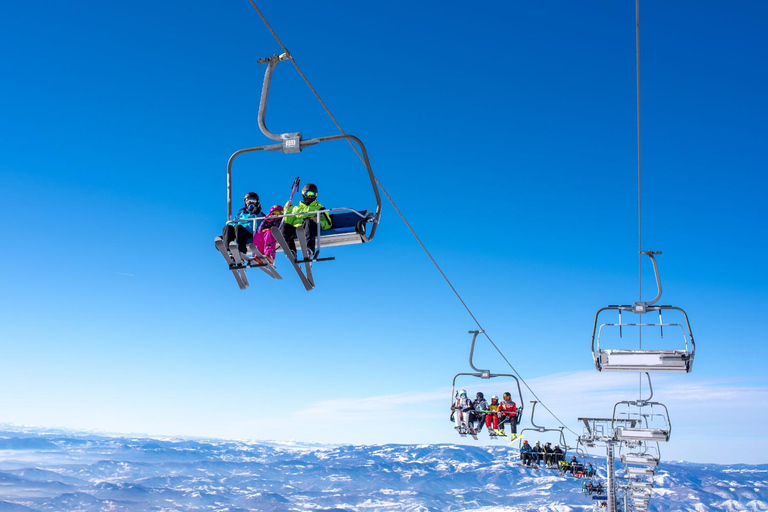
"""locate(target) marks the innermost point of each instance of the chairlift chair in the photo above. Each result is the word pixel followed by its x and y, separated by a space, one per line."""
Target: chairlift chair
pixel 561 442
pixel 648 422
pixel 677 359
pixel 640 471
pixel 349 226
pixel 486 374
pixel 643 454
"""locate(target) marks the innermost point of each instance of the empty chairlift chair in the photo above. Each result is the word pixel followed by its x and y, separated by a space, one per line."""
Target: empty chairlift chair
pixel 642 421
pixel 677 358
pixel 642 454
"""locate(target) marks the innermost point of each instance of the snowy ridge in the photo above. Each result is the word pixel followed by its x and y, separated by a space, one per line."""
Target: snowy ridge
pixel 49 471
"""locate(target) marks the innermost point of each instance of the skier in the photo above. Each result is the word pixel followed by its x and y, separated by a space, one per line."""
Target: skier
pixel 241 227
pixel 263 239
pixel 537 453
pixel 548 455
pixel 478 415
pixel 558 456
pixel 590 471
pixel 301 216
pixel 526 454
pixel 508 414
pixel 492 418
pixel 460 414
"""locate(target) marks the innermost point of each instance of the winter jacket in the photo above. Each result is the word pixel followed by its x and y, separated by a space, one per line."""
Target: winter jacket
pixel 508 408
pixel 325 219
pixel 241 219
pixel 462 404
pixel 493 407
pixel 526 447
pixel 270 222
pixel 480 405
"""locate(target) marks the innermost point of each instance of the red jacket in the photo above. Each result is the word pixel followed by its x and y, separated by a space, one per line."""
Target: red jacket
pixel 508 408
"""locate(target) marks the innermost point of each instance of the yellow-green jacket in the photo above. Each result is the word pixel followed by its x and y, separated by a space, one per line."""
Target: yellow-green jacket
pixel 325 219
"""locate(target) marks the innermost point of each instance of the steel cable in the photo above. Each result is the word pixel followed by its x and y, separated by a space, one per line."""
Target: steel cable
pixel 402 216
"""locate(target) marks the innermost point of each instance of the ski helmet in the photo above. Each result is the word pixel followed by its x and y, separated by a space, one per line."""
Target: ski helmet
pixel 252 203
pixel 276 210
pixel 462 392
pixel 480 395
pixel 494 397
pixel 309 189
pixel 507 395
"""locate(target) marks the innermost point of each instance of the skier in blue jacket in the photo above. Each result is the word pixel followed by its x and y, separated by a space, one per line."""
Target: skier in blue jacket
pixel 241 227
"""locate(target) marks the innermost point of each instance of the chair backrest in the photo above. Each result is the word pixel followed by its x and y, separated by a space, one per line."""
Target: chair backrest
pixel 347 219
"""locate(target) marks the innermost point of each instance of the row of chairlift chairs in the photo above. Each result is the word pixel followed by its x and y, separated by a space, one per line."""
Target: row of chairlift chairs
pixel 638 426
pixel 349 226
pixel 521 433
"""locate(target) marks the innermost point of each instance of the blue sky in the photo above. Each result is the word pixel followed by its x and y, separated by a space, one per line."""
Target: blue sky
pixel 505 133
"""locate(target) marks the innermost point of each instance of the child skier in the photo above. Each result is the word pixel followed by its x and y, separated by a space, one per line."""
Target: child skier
pixel 492 418
pixel 263 239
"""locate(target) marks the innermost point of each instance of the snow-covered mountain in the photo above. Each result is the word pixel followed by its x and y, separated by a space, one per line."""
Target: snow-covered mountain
pixel 57 471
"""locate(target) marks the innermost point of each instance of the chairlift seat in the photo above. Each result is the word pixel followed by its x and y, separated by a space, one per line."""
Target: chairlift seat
pixel 347 228
pixel 640 485
pixel 626 360
pixel 640 458
pixel 642 434
pixel 642 471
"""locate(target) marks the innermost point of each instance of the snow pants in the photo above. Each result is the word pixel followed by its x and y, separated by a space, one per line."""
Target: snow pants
pixel 492 421
pixel 478 419
pixel 460 418
pixel 265 242
pixel 508 420
pixel 237 233
pixel 310 231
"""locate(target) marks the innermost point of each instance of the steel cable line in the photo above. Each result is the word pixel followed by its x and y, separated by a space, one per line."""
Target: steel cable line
pixel 402 216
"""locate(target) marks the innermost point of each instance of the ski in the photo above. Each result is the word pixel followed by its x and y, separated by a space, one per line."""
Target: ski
pixel 228 258
pixel 240 264
pixel 291 257
pixel 300 234
pixel 515 437
pixel 262 263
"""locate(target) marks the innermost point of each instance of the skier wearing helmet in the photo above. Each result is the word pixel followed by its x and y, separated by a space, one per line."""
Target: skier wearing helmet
pixel 460 414
pixel 241 227
pixel 301 216
pixel 492 418
pixel 508 415
pixel 526 453
pixel 480 405
pixel 263 239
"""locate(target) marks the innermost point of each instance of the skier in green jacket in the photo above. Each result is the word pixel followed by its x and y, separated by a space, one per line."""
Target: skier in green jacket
pixel 306 219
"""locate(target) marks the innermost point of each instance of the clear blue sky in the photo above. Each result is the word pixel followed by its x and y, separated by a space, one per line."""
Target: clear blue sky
pixel 505 132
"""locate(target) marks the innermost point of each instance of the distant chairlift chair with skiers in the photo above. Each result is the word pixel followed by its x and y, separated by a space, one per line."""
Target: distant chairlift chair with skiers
pixel 483 374
pixel 349 226
pixel 550 460
pixel 676 359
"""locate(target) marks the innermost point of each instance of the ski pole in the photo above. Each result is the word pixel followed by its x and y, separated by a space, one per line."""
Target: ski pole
pixel 294 189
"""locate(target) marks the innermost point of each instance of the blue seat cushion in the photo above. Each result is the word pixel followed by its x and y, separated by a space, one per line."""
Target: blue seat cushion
pixel 345 222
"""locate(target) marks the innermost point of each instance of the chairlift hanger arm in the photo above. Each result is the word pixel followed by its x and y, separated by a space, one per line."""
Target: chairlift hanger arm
pixel 472 353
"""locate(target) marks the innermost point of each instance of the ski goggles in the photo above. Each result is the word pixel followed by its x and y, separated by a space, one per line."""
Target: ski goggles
pixel 310 193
